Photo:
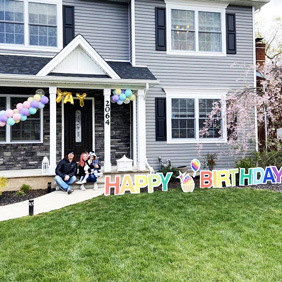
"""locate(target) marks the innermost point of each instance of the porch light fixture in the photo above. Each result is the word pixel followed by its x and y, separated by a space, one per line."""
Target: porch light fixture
pixel 40 92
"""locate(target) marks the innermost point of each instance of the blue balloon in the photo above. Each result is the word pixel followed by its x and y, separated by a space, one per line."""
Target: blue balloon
pixel 2 112
pixel 23 118
pixel 119 102
pixel 32 110
pixel 40 105
pixel 128 92
pixel 122 97
pixel 10 121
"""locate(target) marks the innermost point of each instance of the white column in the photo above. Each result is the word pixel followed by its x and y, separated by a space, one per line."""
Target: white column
pixel 107 130
pixel 53 128
pixel 134 134
pixel 141 116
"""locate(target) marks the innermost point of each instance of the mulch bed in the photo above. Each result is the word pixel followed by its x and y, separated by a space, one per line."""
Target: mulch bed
pixel 11 197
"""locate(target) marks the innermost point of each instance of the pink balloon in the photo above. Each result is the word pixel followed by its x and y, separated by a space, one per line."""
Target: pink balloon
pixel 19 106
pixel 9 113
pixel 26 104
pixel 2 124
pixel 17 116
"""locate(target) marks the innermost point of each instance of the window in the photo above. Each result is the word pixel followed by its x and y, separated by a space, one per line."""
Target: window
pixel 196 30
pixel 30 24
pixel 25 131
pixel 187 112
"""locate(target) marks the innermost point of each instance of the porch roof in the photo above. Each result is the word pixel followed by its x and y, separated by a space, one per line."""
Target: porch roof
pixel 29 65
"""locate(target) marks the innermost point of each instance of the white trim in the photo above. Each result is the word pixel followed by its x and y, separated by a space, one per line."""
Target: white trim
pixel 63 129
pixel 78 41
pixel 133 35
pixel 196 7
pixel 141 115
pixel 93 123
pixel 107 130
pixel 26 46
pixel 53 128
pixel 195 94
pixel 26 55
pixel 198 4
pixel 255 79
pixel 8 128
pixel 134 134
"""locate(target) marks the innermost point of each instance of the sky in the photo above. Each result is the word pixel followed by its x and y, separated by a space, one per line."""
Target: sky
pixel 270 11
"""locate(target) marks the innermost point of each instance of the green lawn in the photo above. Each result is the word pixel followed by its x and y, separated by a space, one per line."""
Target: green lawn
pixel 209 235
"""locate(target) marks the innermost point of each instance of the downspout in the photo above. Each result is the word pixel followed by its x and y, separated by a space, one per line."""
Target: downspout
pixel 133 46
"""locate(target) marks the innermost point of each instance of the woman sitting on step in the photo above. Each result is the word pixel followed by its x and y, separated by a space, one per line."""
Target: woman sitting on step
pixel 85 174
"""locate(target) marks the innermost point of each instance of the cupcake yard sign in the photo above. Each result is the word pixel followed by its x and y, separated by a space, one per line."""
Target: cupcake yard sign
pixel 208 179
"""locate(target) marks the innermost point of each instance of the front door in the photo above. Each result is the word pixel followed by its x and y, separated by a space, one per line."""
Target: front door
pixel 78 133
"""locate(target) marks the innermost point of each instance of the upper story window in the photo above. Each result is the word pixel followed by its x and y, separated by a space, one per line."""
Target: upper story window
pixel 196 30
pixel 29 24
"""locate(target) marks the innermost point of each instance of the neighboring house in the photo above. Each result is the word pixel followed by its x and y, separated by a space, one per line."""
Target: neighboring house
pixel 177 56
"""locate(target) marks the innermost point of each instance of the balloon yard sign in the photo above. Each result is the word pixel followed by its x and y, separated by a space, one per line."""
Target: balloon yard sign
pixel 208 179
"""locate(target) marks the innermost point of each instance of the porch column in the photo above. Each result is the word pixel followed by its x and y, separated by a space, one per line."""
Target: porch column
pixel 107 130
pixel 53 128
pixel 141 116
pixel 134 134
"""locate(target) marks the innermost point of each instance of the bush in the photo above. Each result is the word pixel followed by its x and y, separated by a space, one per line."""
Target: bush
pixel 3 183
pixel 248 162
pixel 270 158
pixel 174 170
pixel 25 188
pixel 210 160
pixel 20 193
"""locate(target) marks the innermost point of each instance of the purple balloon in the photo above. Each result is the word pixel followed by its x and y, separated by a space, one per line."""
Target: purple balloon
pixel 34 104
pixel 3 118
pixel 24 111
pixel 44 100
pixel 115 98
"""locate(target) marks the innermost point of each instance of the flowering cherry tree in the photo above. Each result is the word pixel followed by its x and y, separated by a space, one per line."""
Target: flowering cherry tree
pixel 246 105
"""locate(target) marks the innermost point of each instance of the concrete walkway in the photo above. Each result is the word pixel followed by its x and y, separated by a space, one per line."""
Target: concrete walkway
pixel 48 202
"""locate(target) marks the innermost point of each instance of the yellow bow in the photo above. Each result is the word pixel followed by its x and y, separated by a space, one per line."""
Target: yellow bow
pixel 81 98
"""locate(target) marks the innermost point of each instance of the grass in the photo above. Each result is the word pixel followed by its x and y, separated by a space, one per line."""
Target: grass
pixel 208 235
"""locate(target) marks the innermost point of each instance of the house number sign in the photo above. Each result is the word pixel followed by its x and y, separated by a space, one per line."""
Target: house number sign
pixel 107 112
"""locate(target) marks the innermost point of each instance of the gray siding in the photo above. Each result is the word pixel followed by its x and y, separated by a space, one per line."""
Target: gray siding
pixel 104 24
pixel 190 71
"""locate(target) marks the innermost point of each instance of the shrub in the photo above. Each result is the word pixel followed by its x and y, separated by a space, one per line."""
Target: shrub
pixel 20 193
pixel 3 183
pixel 174 170
pixel 25 188
pixel 270 158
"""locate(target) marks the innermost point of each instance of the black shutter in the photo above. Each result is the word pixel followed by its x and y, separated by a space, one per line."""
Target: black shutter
pixel 68 24
pixel 160 106
pixel 231 33
pixel 160 29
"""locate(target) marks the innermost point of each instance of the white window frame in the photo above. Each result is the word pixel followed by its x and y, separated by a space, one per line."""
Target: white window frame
pixel 8 129
pixel 26 45
pixel 195 94
pixel 201 7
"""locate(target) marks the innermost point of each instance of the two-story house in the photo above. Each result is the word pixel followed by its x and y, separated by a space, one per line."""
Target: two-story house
pixel 177 57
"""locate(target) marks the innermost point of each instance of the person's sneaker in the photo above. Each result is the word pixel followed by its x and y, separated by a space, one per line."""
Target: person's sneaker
pixel 69 190
pixel 95 187
pixel 61 188
pixel 82 188
pixel 98 174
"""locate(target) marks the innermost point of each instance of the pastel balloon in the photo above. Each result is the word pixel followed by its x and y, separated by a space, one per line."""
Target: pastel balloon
pixel 16 111
pixel 2 112
pixel 17 121
pixel 126 101
pixel 32 110
pixel 23 118
pixel 118 91
pixel 122 91
pixel 3 118
pixel 114 92
pixel 195 166
pixel 40 105
pixel 30 99
pixel 24 111
pixel 17 116
pixel 9 113
pixel 10 121
pixel 37 97
pixel 44 100
pixel 19 106
pixel 34 104
pixel 128 92
pixel 122 97
pixel 119 102
pixel 2 124
pixel 115 98
pixel 26 104
pixel 132 97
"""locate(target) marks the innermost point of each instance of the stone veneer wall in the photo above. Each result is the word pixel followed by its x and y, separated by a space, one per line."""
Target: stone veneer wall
pixel 29 156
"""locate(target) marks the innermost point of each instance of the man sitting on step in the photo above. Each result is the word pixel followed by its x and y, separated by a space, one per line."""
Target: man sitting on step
pixel 65 172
